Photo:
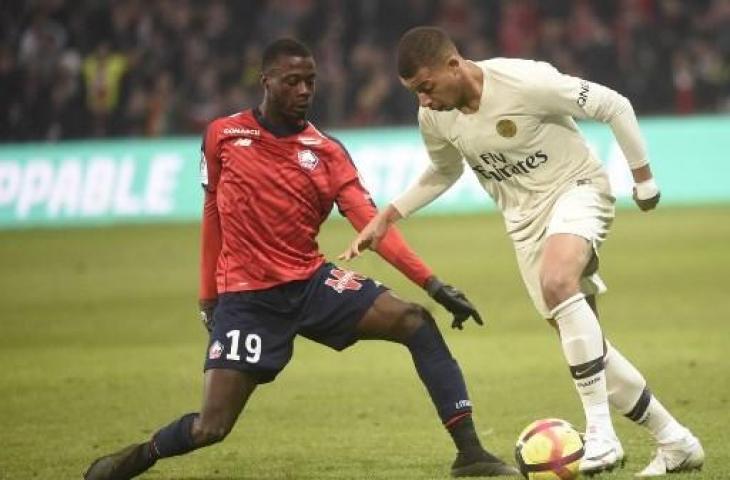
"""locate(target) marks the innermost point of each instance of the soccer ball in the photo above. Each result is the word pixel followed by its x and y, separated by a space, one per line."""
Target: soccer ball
pixel 549 449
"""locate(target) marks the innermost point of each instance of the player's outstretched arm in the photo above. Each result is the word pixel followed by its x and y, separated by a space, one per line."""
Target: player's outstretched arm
pixel 371 234
pixel 393 248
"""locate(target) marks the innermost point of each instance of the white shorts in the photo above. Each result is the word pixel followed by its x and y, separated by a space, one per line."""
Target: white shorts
pixel 583 211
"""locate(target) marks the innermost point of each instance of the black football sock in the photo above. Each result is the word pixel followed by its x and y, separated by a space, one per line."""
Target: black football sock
pixel 464 434
pixel 438 371
pixel 174 439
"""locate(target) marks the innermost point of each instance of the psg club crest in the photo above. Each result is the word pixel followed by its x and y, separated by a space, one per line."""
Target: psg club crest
pixel 506 128
pixel 215 351
pixel 341 280
pixel 307 159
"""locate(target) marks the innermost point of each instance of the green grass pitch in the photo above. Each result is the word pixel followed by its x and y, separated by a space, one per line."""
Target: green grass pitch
pixel 100 344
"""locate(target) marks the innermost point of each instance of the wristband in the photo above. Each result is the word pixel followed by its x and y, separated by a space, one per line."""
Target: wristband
pixel 433 285
pixel 647 189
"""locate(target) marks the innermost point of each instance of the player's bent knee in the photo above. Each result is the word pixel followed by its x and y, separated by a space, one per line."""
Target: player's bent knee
pixel 557 287
pixel 410 319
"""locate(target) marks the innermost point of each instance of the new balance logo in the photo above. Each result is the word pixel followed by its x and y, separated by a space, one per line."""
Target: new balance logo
pixel 310 140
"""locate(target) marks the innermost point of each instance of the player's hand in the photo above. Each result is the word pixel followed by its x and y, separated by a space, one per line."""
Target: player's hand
pixel 454 301
pixel 646 195
pixel 647 204
pixel 369 237
pixel 207 307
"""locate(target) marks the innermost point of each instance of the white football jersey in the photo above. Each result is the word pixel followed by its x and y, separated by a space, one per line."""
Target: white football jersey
pixel 522 143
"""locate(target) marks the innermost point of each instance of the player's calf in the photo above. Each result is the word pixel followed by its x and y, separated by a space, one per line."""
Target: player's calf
pixel 438 370
pixel 442 377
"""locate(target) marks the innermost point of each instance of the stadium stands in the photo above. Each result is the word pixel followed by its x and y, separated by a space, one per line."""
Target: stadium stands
pixel 86 68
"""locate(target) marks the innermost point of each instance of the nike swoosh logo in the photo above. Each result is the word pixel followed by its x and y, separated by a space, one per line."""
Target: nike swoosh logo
pixel 604 454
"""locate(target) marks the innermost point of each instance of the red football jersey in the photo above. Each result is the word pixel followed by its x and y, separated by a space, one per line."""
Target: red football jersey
pixel 267 193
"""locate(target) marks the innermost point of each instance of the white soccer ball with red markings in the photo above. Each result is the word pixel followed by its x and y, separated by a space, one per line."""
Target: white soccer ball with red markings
pixel 549 449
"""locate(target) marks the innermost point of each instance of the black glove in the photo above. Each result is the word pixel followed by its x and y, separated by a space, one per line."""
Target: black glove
pixel 454 301
pixel 206 313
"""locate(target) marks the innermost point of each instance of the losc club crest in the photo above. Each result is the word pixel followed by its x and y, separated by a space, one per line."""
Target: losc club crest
pixel 307 159
pixel 215 351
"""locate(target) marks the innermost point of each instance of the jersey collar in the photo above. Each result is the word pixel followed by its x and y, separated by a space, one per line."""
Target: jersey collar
pixel 278 130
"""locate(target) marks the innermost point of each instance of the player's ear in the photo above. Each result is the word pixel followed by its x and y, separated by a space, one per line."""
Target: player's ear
pixel 453 63
pixel 450 67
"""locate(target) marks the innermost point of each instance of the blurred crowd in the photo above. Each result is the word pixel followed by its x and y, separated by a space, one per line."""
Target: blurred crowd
pixel 94 68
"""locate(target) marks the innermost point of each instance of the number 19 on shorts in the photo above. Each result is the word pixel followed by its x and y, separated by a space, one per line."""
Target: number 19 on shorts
pixel 252 343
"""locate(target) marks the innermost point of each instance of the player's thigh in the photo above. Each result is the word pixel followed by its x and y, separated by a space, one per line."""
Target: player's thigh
pixel 337 301
pixel 565 256
pixel 528 256
pixel 579 224
pixel 251 334
pixel 225 393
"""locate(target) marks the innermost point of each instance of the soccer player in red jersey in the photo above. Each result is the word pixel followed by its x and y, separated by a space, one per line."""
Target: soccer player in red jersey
pixel 271 179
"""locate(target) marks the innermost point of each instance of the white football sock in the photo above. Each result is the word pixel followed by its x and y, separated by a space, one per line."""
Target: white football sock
pixel 623 380
pixel 627 393
pixel 582 341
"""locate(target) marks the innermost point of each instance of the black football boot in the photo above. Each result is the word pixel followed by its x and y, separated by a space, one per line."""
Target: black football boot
pixel 480 463
pixel 122 465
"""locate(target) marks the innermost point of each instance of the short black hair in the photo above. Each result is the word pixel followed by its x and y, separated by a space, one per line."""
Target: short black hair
pixel 423 47
pixel 283 47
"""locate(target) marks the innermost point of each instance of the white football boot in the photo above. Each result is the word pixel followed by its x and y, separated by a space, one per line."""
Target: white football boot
pixel 683 455
pixel 602 453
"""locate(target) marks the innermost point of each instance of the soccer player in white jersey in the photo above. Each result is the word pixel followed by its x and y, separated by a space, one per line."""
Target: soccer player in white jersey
pixel 512 122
